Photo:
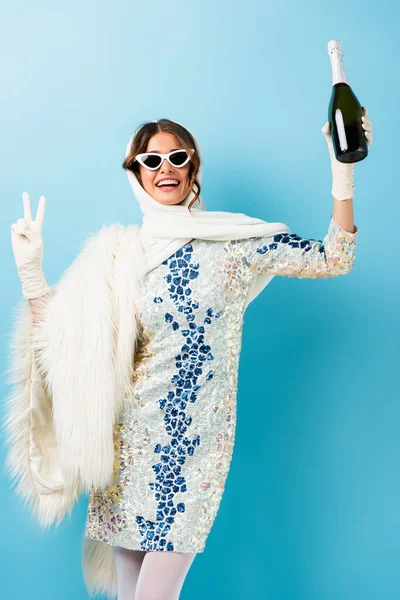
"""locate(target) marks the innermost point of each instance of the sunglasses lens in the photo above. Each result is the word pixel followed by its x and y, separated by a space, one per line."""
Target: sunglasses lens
pixel 178 158
pixel 152 161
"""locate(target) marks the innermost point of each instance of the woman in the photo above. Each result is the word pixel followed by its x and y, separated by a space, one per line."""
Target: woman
pixel 126 376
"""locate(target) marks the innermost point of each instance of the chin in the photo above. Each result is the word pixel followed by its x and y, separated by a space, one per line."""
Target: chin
pixel 169 200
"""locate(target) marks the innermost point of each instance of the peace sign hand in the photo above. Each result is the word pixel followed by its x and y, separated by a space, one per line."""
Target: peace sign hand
pixel 26 234
pixel 27 244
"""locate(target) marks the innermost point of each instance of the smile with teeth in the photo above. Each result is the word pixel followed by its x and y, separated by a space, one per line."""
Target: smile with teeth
pixel 168 183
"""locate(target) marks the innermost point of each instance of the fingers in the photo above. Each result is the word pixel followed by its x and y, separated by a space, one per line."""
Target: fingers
pixel 326 129
pixel 366 123
pixel 20 226
pixel 40 212
pixel 15 236
pixel 365 110
pixel 28 209
pixel 15 229
pixel 367 126
pixel 27 206
pixel 369 137
pixel 24 229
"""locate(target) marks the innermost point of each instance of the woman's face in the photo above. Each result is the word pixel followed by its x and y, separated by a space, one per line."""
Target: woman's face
pixel 165 142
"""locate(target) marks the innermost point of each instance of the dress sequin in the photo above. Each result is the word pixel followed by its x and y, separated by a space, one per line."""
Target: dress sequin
pixel 174 441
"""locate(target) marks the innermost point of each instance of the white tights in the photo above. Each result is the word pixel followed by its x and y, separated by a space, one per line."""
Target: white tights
pixel 154 575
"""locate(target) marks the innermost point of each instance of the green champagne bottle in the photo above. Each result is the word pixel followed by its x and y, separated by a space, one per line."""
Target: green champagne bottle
pixel 344 113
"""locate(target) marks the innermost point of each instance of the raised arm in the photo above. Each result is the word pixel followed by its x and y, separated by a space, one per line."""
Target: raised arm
pixel 290 255
pixel 294 256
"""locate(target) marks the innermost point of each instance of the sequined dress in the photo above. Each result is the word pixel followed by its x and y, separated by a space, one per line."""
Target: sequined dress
pixel 174 441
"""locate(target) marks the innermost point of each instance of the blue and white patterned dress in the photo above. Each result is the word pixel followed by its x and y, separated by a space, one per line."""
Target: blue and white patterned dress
pixel 174 442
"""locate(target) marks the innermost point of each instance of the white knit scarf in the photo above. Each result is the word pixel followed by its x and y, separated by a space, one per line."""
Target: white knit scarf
pixel 166 228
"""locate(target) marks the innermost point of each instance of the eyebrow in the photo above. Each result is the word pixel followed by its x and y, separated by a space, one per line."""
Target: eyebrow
pixel 160 152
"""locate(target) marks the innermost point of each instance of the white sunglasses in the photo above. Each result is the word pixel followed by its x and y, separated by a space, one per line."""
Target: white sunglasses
pixel 153 160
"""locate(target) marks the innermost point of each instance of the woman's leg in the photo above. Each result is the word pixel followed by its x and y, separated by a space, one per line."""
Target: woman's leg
pixel 128 563
pixel 162 575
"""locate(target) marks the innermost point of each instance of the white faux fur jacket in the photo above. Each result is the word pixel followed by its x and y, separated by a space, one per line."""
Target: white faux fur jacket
pixel 69 374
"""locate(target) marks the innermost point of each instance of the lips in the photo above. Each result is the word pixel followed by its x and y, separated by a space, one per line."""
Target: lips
pixel 161 182
pixel 168 187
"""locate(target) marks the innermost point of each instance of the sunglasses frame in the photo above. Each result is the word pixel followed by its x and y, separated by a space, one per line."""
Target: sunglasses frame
pixel 139 158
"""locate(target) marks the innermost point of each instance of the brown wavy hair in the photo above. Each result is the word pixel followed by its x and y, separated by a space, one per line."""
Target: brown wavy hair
pixel 184 137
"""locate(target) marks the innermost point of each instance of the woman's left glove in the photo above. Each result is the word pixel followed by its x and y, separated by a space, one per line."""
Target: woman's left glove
pixel 343 173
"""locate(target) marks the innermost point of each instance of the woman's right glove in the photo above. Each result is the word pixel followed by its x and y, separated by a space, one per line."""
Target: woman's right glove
pixel 27 244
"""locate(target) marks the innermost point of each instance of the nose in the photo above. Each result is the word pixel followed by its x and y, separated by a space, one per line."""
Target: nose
pixel 165 166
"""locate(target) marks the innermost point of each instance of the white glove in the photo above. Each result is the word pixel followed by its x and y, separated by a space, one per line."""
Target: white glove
pixel 343 173
pixel 27 244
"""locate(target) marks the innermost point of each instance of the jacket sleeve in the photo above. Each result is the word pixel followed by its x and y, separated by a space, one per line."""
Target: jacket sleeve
pixel 47 420
pixel 32 460
pixel 290 255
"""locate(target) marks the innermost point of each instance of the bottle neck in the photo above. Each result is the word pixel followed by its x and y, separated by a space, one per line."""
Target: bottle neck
pixel 338 74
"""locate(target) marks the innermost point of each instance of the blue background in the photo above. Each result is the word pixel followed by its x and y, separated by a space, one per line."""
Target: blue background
pixel 312 503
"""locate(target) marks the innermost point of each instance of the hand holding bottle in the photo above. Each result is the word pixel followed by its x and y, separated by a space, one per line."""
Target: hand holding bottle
pixel 343 173
pixel 27 244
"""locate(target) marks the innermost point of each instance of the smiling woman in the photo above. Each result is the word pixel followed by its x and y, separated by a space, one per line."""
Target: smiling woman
pixel 126 381
pixel 163 151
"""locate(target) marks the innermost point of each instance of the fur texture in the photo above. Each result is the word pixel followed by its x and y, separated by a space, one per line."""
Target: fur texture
pixel 99 569
pixel 70 369
pixel 17 427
